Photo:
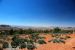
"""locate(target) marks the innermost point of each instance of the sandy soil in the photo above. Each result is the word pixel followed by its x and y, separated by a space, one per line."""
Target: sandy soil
pixel 69 45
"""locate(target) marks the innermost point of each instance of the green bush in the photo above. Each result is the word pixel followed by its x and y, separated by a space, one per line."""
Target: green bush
pixel 62 41
pixel 14 45
pixel 41 41
pixel 56 30
pixel 26 40
pixel 30 41
pixel 18 41
pixel 30 46
pixel 57 40
pixel 5 45
pixel 23 45
pixel 41 37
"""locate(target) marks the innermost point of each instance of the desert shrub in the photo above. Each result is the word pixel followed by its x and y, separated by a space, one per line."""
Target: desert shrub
pixel 46 31
pixel 62 41
pixel 30 46
pixel 29 31
pixel 21 31
pixel 14 45
pixel 11 32
pixel 34 35
pixel 23 45
pixel 26 40
pixel 14 37
pixel 56 35
pixel 56 30
pixel 41 37
pixel 41 41
pixel 57 41
pixel 18 41
pixel 5 45
pixel 30 41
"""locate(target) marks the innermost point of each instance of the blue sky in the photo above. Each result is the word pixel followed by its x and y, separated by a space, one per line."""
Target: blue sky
pixel 37 12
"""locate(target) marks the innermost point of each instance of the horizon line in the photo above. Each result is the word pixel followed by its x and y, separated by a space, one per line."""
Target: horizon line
pixel 37 25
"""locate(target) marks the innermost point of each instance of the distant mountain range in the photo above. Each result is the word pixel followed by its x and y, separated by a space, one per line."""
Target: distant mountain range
pixel 8 27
